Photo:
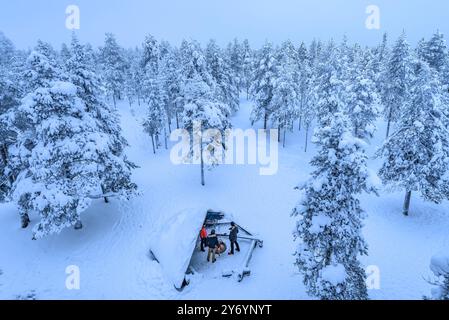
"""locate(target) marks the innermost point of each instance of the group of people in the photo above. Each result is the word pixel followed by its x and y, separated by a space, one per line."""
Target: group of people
pixel 213 243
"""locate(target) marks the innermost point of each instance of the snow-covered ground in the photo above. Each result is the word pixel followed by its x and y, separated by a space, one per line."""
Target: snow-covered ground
pixel 112 248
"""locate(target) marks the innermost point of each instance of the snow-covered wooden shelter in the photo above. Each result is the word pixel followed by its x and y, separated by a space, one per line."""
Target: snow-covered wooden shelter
pixel 174 247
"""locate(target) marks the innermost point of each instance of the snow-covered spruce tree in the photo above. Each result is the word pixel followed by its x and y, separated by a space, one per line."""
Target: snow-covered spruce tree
pixel 435 52
pixel 200 105
pixel 396 80
pixel 265 72
pixel 329 85
pixel 74 153
pixel 170 75
pixel 193 66
pixel 156 118
pixel 7 51
pixel 416 155
pixel 285 90
pixel 150 54
pixel 9 100
pixel 330 219
pixel 134 77
pixel 306 91
pixel 247 69
pixel 39 70
pixel 113 67
pixel 153 92
pixel 113 167
pixel 234 56
pixel 439 265
pixel 59 177
pixel 201 112
pixel 362 101
pixel 381 57
pixel 220 69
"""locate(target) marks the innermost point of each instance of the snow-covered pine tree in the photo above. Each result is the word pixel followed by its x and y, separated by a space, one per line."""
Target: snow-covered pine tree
pixel 306 91
pixel 330 219
pixel 150 54
pixel 396 80
pixel 7 51
pixel 329 85
pixel 59 176
pixel 153 92
pixel 285 98
pixel 39 70
pixel 133 79
pixel 265 73
pixel 435 53
pixel 381 57
pixel 247 69
pixel 113 167
pixel 234 53
pixel 220 69
pixel 41 67
pixel 362 100
pixel 303 53
pixel 113 67
pixel 156 118
pixel 200 105
pixel 170 77
pixel 41 153
pixel 74 150
pixel 416 155
pixel 201 112
pixel 193 66
pixel 9 100
pixel 64 54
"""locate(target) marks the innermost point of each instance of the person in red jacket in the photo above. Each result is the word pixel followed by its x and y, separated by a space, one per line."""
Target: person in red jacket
pixel 203 237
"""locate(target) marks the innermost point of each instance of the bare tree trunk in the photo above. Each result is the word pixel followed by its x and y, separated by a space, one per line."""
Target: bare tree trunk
pixel 165 138
pixel 113 98
pixel 157 141
pixel 283 142
pixel 300 121
pixel 265 121
pixel 408 196
pixel 152 141
pixel 4 154
pixel 279 134
pixel 203 183
pixel 390 114
pixel 169 124
pixel 106 200
pixel 177 120
pixel 307 137
pixel 78 225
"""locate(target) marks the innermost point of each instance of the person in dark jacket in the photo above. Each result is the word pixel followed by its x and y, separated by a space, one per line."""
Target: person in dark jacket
pixel 203 237
pixel 233 238
pixel 212 243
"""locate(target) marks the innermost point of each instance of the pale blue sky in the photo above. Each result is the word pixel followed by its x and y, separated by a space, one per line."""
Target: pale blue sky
pixel 25 21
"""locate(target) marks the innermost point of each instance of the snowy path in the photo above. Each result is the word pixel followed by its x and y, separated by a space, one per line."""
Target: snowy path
pixel 112 249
